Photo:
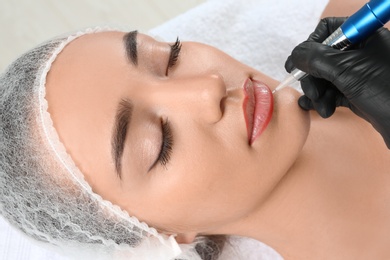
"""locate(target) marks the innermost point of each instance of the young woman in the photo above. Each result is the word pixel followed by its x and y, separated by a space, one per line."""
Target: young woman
pixel 188 140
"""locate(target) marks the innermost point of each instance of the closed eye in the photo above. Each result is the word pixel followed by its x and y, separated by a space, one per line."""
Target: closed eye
pixel 166 145
pixel 174 54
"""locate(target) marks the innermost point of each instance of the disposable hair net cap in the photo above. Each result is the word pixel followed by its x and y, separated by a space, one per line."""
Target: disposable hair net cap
pixel 43 193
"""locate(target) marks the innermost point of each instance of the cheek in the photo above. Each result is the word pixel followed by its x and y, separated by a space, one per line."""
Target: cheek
pixel 210 183
pixel 193 189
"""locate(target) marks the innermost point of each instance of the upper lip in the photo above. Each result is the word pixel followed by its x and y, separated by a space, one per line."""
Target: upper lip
pixel 257 106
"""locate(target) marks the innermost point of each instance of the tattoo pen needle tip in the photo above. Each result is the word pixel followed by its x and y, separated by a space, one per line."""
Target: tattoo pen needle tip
pixel 286 82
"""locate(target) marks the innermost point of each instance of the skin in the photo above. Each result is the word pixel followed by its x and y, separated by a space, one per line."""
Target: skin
pixel 202 97
pixel 310 188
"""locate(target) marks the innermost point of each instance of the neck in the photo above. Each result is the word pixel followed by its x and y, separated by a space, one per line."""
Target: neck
pixel 332 200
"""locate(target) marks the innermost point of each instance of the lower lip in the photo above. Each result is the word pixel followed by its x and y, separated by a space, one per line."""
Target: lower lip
pixel 258 108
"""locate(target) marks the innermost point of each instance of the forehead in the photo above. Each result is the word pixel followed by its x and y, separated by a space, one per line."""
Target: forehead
pixel 83 87
pixel 85 62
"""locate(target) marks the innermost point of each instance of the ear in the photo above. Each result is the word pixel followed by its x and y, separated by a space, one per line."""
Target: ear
pixel 187 238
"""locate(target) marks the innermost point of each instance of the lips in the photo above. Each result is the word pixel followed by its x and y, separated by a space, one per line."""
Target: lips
pixel 258 108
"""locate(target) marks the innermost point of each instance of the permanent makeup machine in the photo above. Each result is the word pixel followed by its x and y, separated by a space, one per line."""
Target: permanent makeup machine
pixel 359 26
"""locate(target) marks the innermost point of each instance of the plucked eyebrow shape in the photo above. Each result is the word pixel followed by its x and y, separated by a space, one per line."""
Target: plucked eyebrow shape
pixel 130 42
pixel 122 121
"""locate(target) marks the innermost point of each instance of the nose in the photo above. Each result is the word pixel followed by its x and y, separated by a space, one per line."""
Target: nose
pixel 198 96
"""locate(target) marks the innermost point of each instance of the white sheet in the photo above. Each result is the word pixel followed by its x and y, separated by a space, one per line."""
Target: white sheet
pixel 16 246
pixel 260 33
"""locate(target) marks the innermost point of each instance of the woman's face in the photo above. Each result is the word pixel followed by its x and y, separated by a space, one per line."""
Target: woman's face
pixel 167 141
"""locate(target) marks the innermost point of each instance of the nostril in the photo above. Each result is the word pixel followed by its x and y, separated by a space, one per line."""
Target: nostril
pixel 222 104
pixel 212 94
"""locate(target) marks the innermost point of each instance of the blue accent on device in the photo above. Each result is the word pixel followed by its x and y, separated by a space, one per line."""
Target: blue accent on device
pixel 367 20
pixel 356 28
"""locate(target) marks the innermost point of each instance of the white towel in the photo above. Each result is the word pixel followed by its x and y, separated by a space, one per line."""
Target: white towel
pixel 260 33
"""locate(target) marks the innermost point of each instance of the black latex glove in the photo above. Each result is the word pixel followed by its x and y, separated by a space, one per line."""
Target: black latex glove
pixel 358 78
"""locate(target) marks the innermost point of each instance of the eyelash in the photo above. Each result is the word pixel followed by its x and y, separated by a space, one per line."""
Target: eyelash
pixel 167 143
pixel 174 54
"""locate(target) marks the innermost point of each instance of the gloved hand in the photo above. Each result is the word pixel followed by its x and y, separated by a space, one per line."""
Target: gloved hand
pixel 357 78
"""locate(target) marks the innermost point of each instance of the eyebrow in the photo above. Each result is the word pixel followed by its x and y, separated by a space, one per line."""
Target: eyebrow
pixel 122 121
pixel 130 41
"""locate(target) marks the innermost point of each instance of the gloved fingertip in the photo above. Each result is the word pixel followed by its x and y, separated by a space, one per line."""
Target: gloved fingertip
pixel 325 27
pixel 289 65
pixel 305 103
pixel 309 87
pixel 300 55
pixel 327 105
pixel 325 111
